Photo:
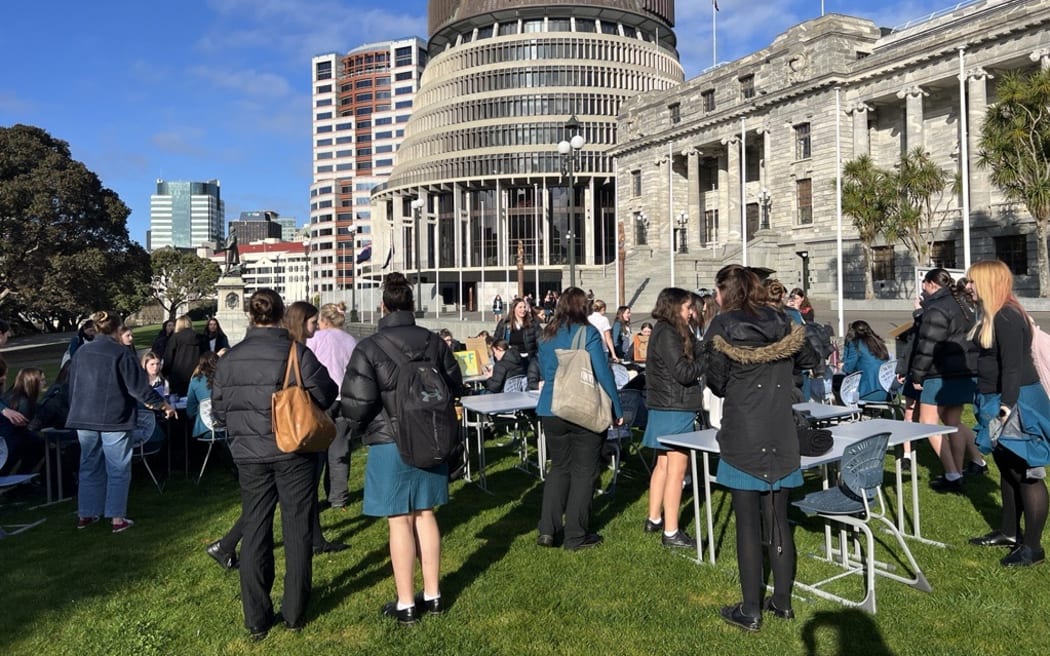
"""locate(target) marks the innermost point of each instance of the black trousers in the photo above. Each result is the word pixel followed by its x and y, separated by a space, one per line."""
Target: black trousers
pixel 338 475
pixel 575 455
pixel 264 485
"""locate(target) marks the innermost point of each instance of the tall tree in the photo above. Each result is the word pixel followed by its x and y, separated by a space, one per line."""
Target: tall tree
pixel 181 278
pixel 65 249
pixel 1015 147
pixel 866 199
pixel 918 197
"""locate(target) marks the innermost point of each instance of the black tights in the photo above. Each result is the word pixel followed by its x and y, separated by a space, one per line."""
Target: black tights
pixel 755 510
pixel 1021 495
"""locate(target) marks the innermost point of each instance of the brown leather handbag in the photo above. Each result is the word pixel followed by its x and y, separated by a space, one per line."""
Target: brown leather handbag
pixel 300 426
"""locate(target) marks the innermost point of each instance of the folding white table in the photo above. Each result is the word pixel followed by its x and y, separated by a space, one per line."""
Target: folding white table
pixel 495 404
pixel 823 412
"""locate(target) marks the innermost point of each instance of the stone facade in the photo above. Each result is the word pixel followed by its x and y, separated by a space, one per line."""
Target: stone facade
pixel 679 156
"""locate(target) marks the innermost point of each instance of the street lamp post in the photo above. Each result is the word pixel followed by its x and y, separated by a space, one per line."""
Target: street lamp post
pixel 682 221
pixel 354 318
pixel 417 209
pixel 570 151
pixel 765 200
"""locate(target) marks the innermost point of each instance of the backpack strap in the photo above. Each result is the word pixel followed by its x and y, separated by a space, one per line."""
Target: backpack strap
pixel 293 365
pixel 398 358
pixel 579 340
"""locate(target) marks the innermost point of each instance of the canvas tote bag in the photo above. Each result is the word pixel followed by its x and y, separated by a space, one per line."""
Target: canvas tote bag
pixel 300 426
pixel 578 398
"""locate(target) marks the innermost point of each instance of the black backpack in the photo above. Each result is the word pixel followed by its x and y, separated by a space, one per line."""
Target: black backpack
pixel 819 337
pixel 424 424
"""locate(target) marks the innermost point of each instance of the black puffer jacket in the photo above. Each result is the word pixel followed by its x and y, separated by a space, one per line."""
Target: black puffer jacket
pixel 529 335
pixel 750 364
pixel 245 380
pixel 371 377
pixel 509 366
pixel 941 348
pixel 672 382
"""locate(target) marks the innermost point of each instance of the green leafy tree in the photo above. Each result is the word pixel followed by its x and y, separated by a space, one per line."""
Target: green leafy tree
pixel 1015 147
pixel 181 278
pixel 65 250
pixel 866 197
pixel 919 192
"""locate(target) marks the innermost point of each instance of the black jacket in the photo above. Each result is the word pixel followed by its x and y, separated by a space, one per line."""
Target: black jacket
pixel 106 384
pixel 529 335
pixel 942 349
pixel 371 377
pixel 509 366
pixel 180 359
pixel 672 382
pixel 221 342
pixel 750 364
pixel 245 380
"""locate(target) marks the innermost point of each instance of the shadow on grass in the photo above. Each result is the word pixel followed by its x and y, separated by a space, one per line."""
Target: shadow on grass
pixel 851 631
pixel 982 490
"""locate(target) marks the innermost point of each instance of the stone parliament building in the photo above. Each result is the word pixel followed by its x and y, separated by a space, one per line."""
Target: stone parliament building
pixel 679 178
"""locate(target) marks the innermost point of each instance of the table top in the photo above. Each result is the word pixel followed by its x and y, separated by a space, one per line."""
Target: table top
pixel 498 403
pixel 823 411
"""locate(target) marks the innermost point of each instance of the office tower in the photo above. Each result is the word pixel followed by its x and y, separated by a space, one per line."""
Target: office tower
pixel 362 101
pixel 186 214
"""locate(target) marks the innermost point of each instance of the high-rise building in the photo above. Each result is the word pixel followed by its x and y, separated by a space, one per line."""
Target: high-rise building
pixel 256 226
pixel 361 103
pixel 480 173
pixel 288 227
pixel 186 214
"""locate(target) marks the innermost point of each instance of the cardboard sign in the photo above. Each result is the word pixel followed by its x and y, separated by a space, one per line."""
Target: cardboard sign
pixel 468 363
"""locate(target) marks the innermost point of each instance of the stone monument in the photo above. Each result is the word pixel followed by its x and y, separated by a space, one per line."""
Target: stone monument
pixel 232 310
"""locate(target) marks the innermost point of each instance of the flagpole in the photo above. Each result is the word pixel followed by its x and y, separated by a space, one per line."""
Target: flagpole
pixel 838 208
pixel 714 32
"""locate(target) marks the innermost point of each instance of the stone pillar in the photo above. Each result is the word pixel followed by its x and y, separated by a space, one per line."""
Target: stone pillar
pixel 694 233
pixel 730 217
pixel 720 230
pixel 1042 56
pixel 232 305
pixel 861 141
pixel 977 107
pixel 764 178
pixel 913 120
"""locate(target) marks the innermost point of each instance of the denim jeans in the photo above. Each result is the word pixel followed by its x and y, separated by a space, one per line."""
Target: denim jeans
pixel 105 473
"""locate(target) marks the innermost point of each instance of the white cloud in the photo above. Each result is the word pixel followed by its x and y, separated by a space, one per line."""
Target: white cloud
pixel 180 140
pixel 248 82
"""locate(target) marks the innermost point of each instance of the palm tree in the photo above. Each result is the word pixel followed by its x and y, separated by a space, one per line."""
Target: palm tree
pixel 1015 146
pixel 865 197
pixel 917 198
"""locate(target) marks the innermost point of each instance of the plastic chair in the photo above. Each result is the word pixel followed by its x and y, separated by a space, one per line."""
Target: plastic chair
pixel 517 384
pixel 211 437
pixel 8 483
pixel 143 446
pixel 621 438
pixel 851 503
pixel 894 402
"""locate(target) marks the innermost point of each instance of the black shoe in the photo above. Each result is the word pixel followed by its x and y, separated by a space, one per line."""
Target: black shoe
pixel 653 527
pixel 588 541
pixel 944 486
pixel 1023 556
pixel 905 464
pixel 680 540
pixel 735 615
pixel 544 540
pixel 994 539
pixel 225 560
pixel 782 613
pixel 331 547
pixel 258 633
pixel 430 607
pixel 405 617
pixel 296 627
pixel 974 469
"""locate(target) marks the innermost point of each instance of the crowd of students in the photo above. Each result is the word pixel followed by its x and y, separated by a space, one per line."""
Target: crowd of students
pixel 735 358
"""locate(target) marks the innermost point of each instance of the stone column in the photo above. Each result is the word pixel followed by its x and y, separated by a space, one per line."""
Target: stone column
pixel 977 107
pixel 914 133
pixel 861 141
pixel 763 172
pixel 694 234
pixel 1042 56
pixel 729 217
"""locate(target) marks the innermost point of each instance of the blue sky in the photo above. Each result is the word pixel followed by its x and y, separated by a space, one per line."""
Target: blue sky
pixel 201 89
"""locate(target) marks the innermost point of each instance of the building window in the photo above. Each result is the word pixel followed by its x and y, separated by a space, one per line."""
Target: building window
pixel 709 100
pixel 882 263
pixel 636 183
pixel 403 56
pixel 676 113
pixel 641 229
pixel 747 87
pixel 401 77
pixel 323 71
pixel 802 141
pixel 943 254
pixel 1013 251
pixel 804 197
pixel 711 226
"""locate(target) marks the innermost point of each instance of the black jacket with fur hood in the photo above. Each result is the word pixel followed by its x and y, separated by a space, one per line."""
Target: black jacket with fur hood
pixel 750 364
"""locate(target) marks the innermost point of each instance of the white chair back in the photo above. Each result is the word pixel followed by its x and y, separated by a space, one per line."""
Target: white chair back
pixel 888 375
pixel 204 412
pixel 850 390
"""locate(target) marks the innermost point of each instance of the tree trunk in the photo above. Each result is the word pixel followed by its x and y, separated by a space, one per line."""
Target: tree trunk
pixel 1041 255
pixel 869 283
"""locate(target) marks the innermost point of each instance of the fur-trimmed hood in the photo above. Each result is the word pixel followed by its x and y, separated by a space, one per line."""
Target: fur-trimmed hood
pixel 782 349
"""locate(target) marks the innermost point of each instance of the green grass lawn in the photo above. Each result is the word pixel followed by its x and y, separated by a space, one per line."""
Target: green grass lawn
pixel 152 590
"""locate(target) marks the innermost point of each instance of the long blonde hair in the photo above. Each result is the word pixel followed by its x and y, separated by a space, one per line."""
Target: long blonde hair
pixel 995 288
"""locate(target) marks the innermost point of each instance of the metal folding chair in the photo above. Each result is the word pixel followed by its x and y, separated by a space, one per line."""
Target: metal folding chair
pixel 143 447
pixel 856 502
pixel 211 437
pixel 8 483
